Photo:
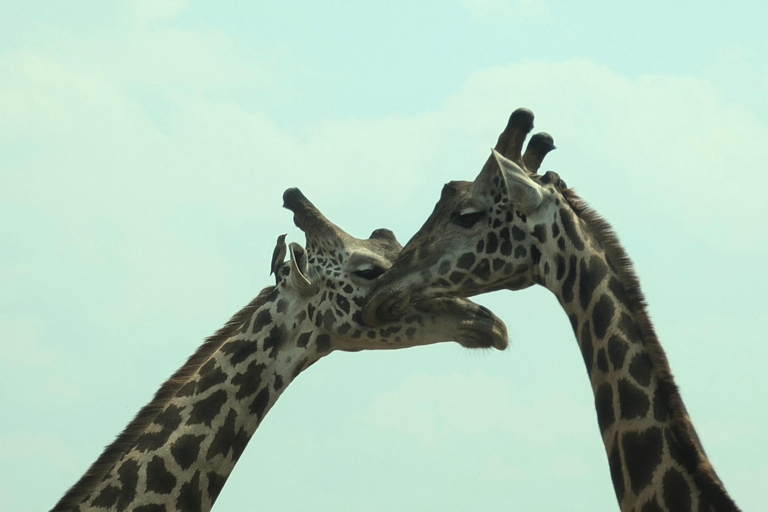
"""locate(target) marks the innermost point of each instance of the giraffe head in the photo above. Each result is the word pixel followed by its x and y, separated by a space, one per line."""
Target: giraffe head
pixel 327 282
pixel 500 231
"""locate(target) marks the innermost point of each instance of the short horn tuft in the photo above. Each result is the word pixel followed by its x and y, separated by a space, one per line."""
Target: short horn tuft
pixel 538 147
pixel 308 218
pixel 510 143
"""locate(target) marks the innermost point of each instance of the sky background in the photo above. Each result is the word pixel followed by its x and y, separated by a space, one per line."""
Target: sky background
pixel 144 149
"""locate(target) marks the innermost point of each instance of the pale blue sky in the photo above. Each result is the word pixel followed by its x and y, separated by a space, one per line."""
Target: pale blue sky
pixel 144 148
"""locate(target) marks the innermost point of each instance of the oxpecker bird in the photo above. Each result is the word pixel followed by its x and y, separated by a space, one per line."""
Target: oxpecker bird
pixel 278 256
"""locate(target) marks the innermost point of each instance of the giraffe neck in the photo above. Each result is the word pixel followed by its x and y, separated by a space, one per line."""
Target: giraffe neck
pixel 655 457
pixel 181 458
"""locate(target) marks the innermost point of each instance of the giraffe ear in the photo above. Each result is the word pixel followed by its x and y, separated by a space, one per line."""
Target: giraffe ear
pixel 523 192
pixel 299 269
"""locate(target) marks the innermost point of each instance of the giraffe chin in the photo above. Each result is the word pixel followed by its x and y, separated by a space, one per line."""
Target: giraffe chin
pixel 477 339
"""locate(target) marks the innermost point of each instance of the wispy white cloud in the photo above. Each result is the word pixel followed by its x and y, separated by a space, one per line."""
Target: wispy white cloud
pixel 155 10
pixel 509 9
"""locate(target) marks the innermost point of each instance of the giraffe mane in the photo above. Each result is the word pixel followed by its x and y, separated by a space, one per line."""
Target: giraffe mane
pixel 692 451
pixel 128 437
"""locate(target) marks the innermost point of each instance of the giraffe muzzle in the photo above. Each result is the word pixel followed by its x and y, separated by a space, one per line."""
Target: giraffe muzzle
pixel 474 326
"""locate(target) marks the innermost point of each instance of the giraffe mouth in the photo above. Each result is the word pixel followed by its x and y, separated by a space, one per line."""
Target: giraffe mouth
pixel 472 325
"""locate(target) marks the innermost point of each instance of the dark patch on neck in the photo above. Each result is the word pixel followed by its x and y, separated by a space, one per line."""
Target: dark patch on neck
pixel 278 382
pixel 186 450
pixel 128 475
pixel 215 485
pixel 617 474
pixel 676 449
pixel 617 351
pixel 206 409
pixel 590 276
pixel 604 407
pixel 634 403
pixel 152 507
pixel 559 266
pixel 618 291
pixel 303 340
pixel 585 342
pixel 263 318
pixel 210 376
pixel 310 311
pixel 642 452
pixel 602 314
pixel 570 229
pixel 574 323
pixel 640 369
pixel 239 350
pixel 676 492
pixel 602 361
pixel 652 506
pixel 107 497
pixel 259 404
pixel 169 420
pixel 275 340
pixel 535 255
pixel 570 280
pixel 249 381
pixel 660 405
pixel 159 479
pixel 323 343
pixel 241 441
pixel 190 496
pixel 630 328
pixel 224 438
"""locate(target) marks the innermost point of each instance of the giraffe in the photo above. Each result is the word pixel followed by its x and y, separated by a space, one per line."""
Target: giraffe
pixel 178 451
pixel 512 228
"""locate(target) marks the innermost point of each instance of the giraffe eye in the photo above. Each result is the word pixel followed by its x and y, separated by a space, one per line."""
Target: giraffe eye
pixel 369 273
pixel 467 219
